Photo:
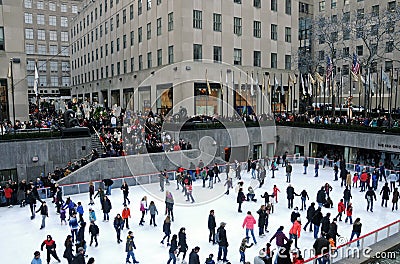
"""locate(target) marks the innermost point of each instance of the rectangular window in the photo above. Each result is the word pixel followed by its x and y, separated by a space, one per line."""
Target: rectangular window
pixel 389 46
pixel 54 66
pixel 237 26
pixel 288 62
pixel 197 19
pixel 112 70
pixel 125 66
pixel 54 80
pixel 197 52
pixel 132 37
pixel 148 4
pixel 28 33
pixel 53 49
pixel 118 68
pixel 359 50
pixel 42 66
pixel 217 54
pixel 64 21
pixel 29 48
pixel 321 55
pixel 74 9
pixel 388 66
pixel 346 33
pixel 124 16
pixel 346 17
pixel 28 3
pixel 237 57
pixel 159 57
pixel 375 10
pixel 118 44
pixel 217 25
pixel 41 34
pixel 158 26
pixel 333 4
pixel 274 5
pixel 65 50
pixel 288 7
pixel 106 50
pixel 40 19
pixel 257 58
pixel 111 24
pixel 101 31
pixel 346 52
pixel 131 12
pixel 170 21
pixel 149 60
pixel 105 6
pixel 105 28
pixel 140 62
pixel 111 3
pixel 30 65
pixel 257 3
pixel 321 6
pixel 28 18
pixel 140 7
pixel 170 54
pixel 132 64
pixel 288 34
pixel 158 2
pixel 391 6
pixel 124 41
pixel 42 49
pixel 360 13
pixel 40 5
pixel 345 70
pixel 274 60
pixel 117 20
pixel 257 29
pixel 274 32
pixel 63 8
pixel 140 34
pixel 112 47
pixel 237 1
pixel 52 20
pixel 43 80
pixel 53 35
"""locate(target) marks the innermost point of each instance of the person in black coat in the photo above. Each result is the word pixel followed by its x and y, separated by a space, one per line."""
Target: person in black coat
pixel 211 226
pixel 321 197
pixel 325 222
pixel 106 208
pixel 305 165
pixel 94 232
pixel 310 214
pixel 240 198
pixel 44 212
pixel 118 225
pixel 107 185
pixel 81 232
pixel 346 196
pixel 284 253
pixel 290 195
pixel 183 247
pixel 68 249
pixel 172 249
pixel 31 200
pixel 333 233
pixel 321 246
pixel 370 196
pixel 222 243
pixel 166 229
pixel 385 192
pixel 125 191
pixel 294 215
pixel 266 198
pixel 80 256
pixel 316 221
pixel 194 257
pixel 262 218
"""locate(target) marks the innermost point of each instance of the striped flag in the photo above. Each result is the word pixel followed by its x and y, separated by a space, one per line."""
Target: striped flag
pixel 355 67
pixel 329 67
pixel 35 84
pixel 208 85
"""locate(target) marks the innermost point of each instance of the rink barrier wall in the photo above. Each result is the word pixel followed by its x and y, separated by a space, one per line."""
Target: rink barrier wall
pixel 366 240
pixel 142 179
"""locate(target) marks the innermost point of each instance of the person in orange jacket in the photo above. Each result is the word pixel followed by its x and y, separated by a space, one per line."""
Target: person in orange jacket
pixel 275 191
pixel 294 232
pixel 363 180
pixel 349 213
pixel 8 194
pixel 126 213
pixel 341 209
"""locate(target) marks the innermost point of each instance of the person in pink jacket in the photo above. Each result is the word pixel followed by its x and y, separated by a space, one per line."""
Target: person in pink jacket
pixel 249 222
pixel 294 232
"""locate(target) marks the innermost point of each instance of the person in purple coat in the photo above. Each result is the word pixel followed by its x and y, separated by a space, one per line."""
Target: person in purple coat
pixel 280 237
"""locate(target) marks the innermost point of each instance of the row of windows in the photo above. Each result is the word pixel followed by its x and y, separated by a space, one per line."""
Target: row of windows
pixel 117 69
pixel 375 9
pixel 41 35
pixel 43 66
pixel 274 5
pixel 42 49
pixel 40 20
pixel 52 6
pixel 52 81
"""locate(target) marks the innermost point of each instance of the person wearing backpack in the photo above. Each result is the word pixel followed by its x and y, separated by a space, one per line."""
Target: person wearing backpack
pixel 94 232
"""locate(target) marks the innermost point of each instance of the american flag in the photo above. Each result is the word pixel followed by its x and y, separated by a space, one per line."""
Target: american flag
pixel 329 67
pixel 356 66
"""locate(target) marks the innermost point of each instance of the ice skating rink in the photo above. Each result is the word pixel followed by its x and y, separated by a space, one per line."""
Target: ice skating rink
pixel 21 236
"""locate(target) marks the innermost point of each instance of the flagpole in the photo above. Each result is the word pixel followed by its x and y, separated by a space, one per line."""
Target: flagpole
pixel 390 98
pixel 341 92
pixel 294 94
pixel 222 95
pixel 397 83
pixel 376 92
pixel 326 84
pixel 12 89
pixel 350 81
pixel 380 93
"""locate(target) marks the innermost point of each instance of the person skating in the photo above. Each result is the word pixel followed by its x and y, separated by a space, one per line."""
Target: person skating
pixel 321 248
pixel 333 233
pixel 166 230
pixel 126 214
pixel 262 217
pixel 261 175
pixel 251 194
pixel 50 248
pixel 125 192
pixel 275 191
pixel 310 214
pixel 194 256
pixel 356 230
pixel 8 194
pixel 91 193
pixel 107 185
pixel 242 250
pixel 395 198
pixel 240 199
pixel 189 193
pixel 80 256
pixel 341 209
pixel 106 209
pixel 153 211
pixel 63 216
pixel 385 192
pixel 266 197
pixel 173 250
pixel 284 253
pixel 44 212
pixel 31 200
pixel 68 249
pixel 222 243
pixel 73 224
pixel 143 209
pixel 36 258
pixel 162 178
pixel 249 222
pixel 210 260
pixel 305 165
pixel 118 226
pixel 101 194
pixel 349 213
pixel 129 246
pixel 290 193
pixel 336 171
pixel 92 215
pixel 325 222
pixel 279 237
pixel 316 221
pixel 228 184
pixel 346 196
pixel 211 227
pixel 294 232
pixel 81 232
pixel 321 197
pixel 210 175
pixel 90 261
pixel 94 232
pixel 304 197
pixel 80 211
pixel 169 205
pixel 216 173
pixel 294 215
pixel 183 247
pixel 370 196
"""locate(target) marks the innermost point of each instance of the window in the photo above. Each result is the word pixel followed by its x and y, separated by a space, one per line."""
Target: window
pixel 117 20
pixel 170 54
pixel 346 52
pixel 158 2
pixel 148 4
pixel 101 31
pixel 40 19
pixel 375 10
pixel 118 44
pixel 360 13
pixel 139 7
pixel 237 56
pixel 28 18
pixel 237 1
pixel 257 29
pixel 288 62
pixel 105 28
pixel 30 80
pixel 131 12
pixel 28 33
pixel 346 17
pixel 124 16
pixel 374 30
pixel 359 31
pixel 388 66
pixel 132 37
pixel 321 55
pixel 390 26
pixel 346 33
pixel 106 49
pixel 74 9
pixel 274 5
pixel 333 4
pixel 346 2
pixel 217 22
pixel 111 3
pixel 41 34
pixel 42 49
pixel 111 24
pixel 29 48
pixel 217 54
pixel 53 35
pixel 53 49
pixel 391 6
pixel 170 21
pixel 159 57
pixel 237 26
pixel 65 81
pixel 197 52
pixel 359 50
pixel 112 70
pixel 28 3
pixel 65 50
pixel 304 8
pixel 53 66
pixel 52 20
pixel 105 6
pixel 54 80
pixel 40 5
pixel 389 46
pixel 149 60
pixel 140 34
pixel 274 60
pixel 334 36
pixel 288 34
pixel 321 6
pixel 274 32
pixel 140 62
pixel 288 7
pixel 345 69
pixel 158 26
pixel 257 3
pixel 42 80
pixel 112 47
pixel 118 68
pixel 257 58
pixel 132 64
pixel 64 8
pixel 30 65
pixel 197 19
pixel 125 66
pixel 124 41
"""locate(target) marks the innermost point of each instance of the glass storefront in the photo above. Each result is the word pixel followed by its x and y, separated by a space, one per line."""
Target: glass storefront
pixel 128 98
pixel 244 101
pixel 144 99
pixel 164 99
pixel 3 103
pixel 207 103
pixel 115 99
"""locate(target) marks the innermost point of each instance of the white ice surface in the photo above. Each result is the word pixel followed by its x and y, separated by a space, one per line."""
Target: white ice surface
pixel 21 236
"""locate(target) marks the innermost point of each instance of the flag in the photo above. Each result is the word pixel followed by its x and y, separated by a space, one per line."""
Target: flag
pixel 263 84
pixel 239 84
pixel 257 84
pixel 311 82
pixel 329 67
pixel 318 77
pixel 208 85
pixel 360 83
pixel 302 84
pixel 386 79
pixel 355 68
pixel 35 84
pixel 276 84
pixel 252 84
pixel 226 83
pixel 269 84
pixel 220 83
pixel 354 76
